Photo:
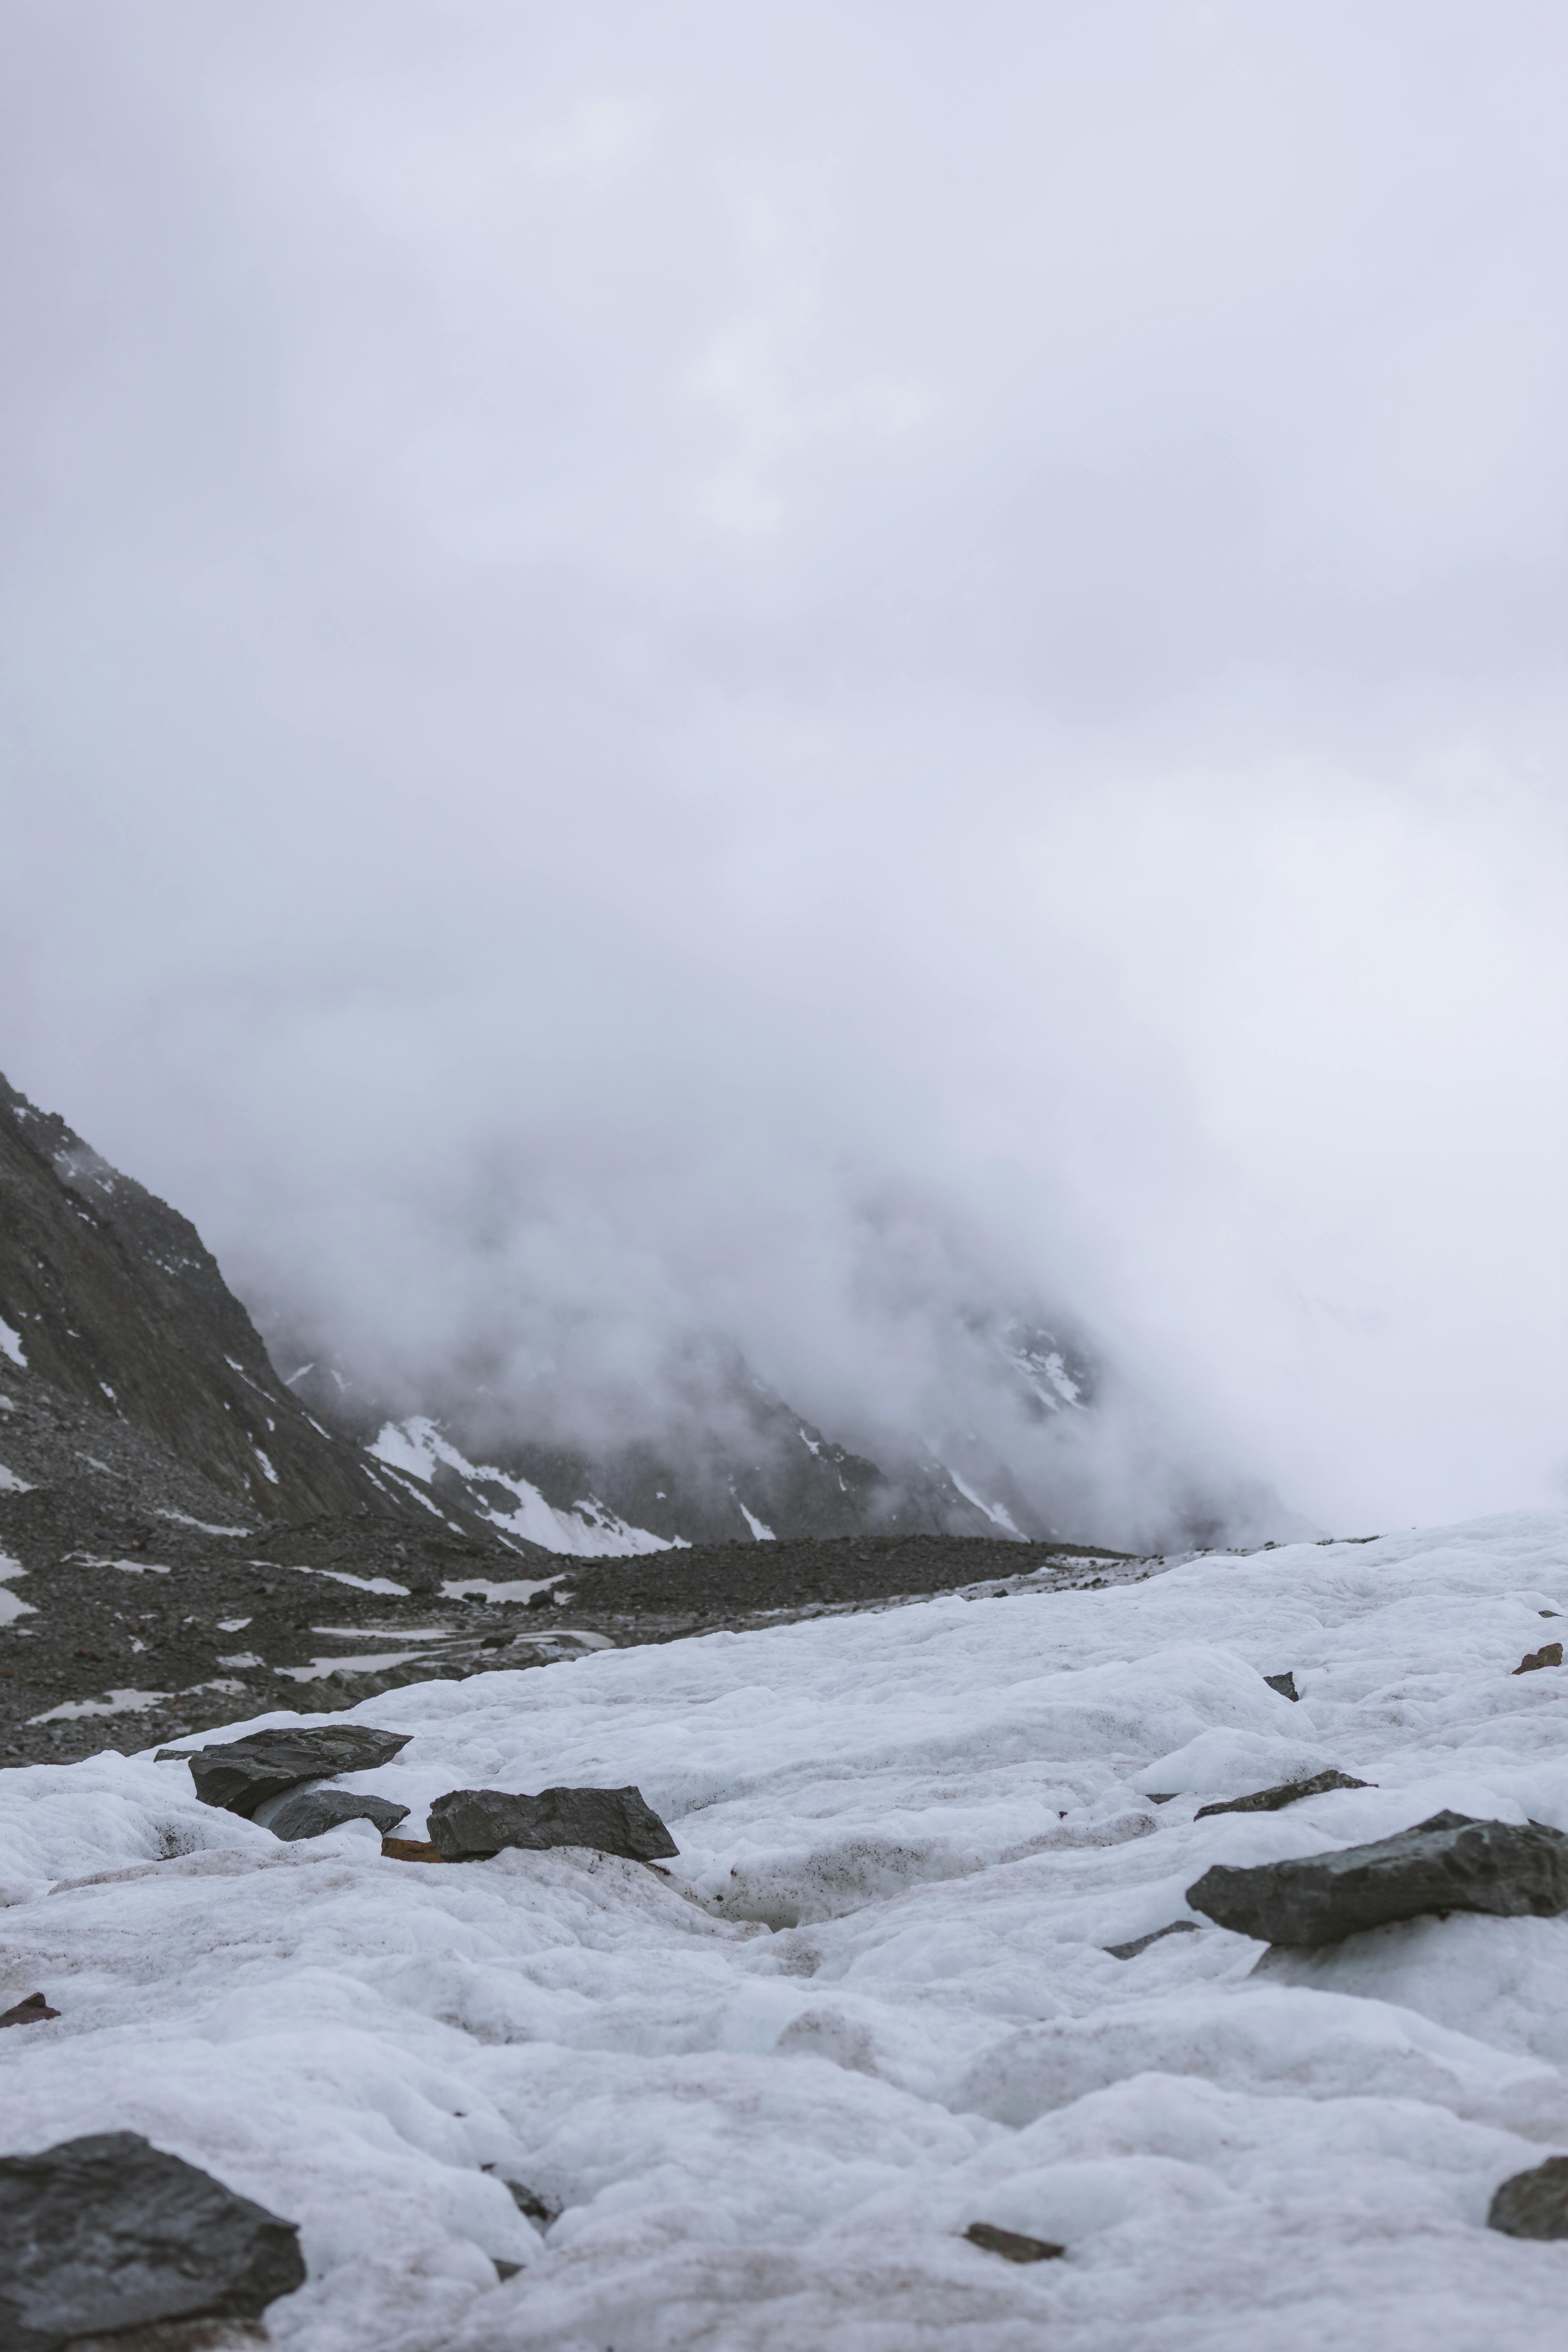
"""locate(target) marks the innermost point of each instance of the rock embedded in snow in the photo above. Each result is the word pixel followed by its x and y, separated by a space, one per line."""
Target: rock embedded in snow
pixel 1012 2244
pixel 310 1812
pixel 34 2010
pixel 1534 2204
pixel 468 1825
pixel 1450 1863
pixel 1549 1655
pixel 1289 1792
pixel 107 2232
pixel 1284 1684
pixel 244 1773
pixel 1142 1943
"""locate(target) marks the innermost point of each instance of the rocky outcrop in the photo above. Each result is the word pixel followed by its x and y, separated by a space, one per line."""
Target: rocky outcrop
pixel 107 2232
pixel 116 1302
pixel 470 1824
pixel 1448 1863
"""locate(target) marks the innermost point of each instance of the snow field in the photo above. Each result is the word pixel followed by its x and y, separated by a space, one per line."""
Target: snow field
pixel 870 2003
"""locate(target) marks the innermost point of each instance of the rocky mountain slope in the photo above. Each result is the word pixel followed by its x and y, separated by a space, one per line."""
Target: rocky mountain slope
pixel 109 1296
pixel 723 1458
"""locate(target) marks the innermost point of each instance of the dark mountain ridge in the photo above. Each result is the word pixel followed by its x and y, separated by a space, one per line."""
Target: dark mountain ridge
pixel 111 1297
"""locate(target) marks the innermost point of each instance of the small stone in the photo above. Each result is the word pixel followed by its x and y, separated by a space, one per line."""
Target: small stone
pixel 310 1812
pixel 1284 1684
pixel 1448 1863
pixel 1549 1655
pixel 1534 2204
pixel 107 2233
pixel 534 2207
pixel 1011 2244
pixel 243 1773
pixel 470 1824
pixel 34 2010
pixel 1142 1943
pixel 1289 1792
pixel 398 1849
pixel 505 2270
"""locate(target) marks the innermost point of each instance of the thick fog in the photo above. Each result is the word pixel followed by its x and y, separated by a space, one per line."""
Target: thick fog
pixel 790 670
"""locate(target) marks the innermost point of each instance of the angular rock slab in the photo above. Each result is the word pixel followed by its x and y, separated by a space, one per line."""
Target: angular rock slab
pixel 469 1822
pixel 310 1811
pixel 1012 2244
pixel 1534 2204
pixel 109 2232
pixel 244 1773
pixel 34 2010
pixel 1289 1792
pixel 1448 1863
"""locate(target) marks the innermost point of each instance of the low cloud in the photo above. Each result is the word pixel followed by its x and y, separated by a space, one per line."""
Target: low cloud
pixel 793 678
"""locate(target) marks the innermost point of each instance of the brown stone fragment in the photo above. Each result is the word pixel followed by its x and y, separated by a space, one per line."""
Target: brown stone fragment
pixel 1549 1655
pixel 410 1850
pixel 31 2012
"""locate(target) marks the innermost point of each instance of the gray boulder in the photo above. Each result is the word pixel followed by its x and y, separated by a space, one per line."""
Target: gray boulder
pixel 1284 1684
pixel 1448 1863
pixel 469 1823
pixel 1289 1792
pixel 1534 2204
pixel 308 1811
pixel 109 2232
pixel 243 1773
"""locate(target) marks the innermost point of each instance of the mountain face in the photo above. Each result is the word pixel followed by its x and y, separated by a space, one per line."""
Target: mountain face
pixel 725 1460
pixel 111 1297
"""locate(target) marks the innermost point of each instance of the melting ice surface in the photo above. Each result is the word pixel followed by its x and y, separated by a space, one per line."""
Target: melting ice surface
pixel 870 2003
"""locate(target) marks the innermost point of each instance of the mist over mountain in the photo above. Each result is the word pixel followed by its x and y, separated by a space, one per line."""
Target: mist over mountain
pixel 780 678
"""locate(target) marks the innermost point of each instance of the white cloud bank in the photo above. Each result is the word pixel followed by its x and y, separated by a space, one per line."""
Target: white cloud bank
pixel 630 631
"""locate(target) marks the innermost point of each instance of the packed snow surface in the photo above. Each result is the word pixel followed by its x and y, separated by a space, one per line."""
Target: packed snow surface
pixel 870 2003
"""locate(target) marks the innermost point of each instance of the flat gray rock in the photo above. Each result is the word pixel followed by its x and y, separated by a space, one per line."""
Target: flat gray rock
pixel 1448 1863
pixel 1534 2204
pixel 311 1810
pixel 243 1773
pixel 109 2232
pixel 469 1822
pixel 1012 2244
pixel 1289 1792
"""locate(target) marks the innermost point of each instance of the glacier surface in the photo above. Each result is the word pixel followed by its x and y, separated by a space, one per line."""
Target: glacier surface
pixel 766 2092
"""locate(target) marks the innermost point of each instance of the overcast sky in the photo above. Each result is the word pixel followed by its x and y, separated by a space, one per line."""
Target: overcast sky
pixel 640 640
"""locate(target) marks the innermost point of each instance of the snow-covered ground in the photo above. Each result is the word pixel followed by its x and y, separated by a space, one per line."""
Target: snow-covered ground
pixel 870 2003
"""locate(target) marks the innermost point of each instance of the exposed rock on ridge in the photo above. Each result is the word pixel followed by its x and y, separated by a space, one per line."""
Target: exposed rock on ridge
pixel 116 1300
